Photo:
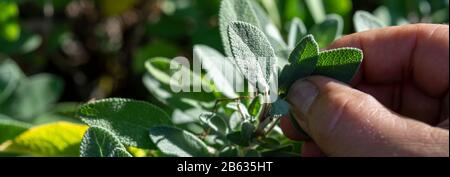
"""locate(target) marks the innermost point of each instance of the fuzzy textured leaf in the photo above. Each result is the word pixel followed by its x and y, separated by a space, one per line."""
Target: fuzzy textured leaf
pixel 328 30
pixel 340 64
pixel 10 76
pixel 159 69
pixel 252 52
pixel 303 62
pixel 176 142
pixel 235 10
pixel 297 31
pixel 216 65
pixel 99 142
pixel 33 96
pixel 364 21
pixel 127 119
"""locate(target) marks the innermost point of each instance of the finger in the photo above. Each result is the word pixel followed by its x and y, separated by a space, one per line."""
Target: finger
pixel 346 122
pixel 416 53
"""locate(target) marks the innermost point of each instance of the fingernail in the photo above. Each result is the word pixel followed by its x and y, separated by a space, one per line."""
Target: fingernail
pixel 302 95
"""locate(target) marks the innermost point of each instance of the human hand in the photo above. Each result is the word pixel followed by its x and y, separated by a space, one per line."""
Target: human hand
pixel 400 104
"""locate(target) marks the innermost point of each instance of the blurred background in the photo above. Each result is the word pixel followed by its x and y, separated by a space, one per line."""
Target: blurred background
pixel 97 48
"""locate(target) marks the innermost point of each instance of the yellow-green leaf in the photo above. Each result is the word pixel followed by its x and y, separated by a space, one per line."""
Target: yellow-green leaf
pixel 55 139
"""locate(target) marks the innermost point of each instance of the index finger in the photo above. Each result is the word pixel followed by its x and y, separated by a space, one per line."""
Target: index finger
pixel 417 53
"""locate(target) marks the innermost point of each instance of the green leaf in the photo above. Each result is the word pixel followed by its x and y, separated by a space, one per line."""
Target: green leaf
pixel 303 62
pixel 160 69
pixel 183 110
pixel 364 21
pixel 269 143
pixel 176 142
pixel 99 142
pixel 33 96
pixel 229 151
pixel 215 122
pixel 235 10
pixel 11 128
pixel 297 31
pixel 216 65
pixel 55 139
pixel 306 50
pixel 235 121
pixel 10 76
pixel 252 153
pixel 128 119
pixel 247 131
pixel 239 107
pixel 185 107
pixel 328 30
pixel 237 138
pixel 271 31
pixel 253 53
pixel 382 13
pixel 317 10
pixel 341 64
pixel 255 106
pixel 272 10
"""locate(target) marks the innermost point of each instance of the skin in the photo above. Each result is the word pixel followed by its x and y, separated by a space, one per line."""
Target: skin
pixel 397 104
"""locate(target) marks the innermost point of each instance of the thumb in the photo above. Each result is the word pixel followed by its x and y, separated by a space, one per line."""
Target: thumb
pixel 346 122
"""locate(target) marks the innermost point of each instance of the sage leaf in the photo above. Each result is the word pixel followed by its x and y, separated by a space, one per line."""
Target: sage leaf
pixel 33 96
pixel 229 151
pixel 303 61
pixel 317 10
pixel 382 13
pixel 255 106
pixel 341 64
pixel 176 142
pixel 10 76
pixel 215 65
pixel 237 138
pixel 271 31
pixel 234 10
pixel 159 69
pixel 99 142
pixel 328 30
pixel 247 131
pixel 54 139
pixel 253 53
pixel 182 110
pixel 252 153
pixel 127 119
pixel 215 122
pixel 297 31
pixel 364 21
